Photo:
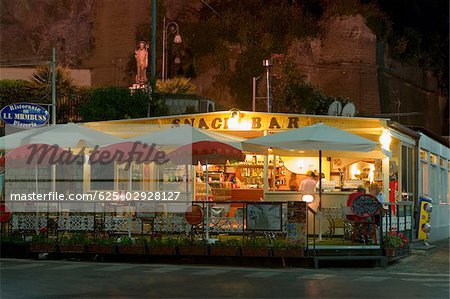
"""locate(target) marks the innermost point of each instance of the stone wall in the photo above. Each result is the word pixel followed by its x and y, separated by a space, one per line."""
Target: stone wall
pixel 30 29
pixel 342 62
pixel 114 30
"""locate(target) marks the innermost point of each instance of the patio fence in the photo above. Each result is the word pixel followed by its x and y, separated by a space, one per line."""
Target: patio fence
pixel 225 218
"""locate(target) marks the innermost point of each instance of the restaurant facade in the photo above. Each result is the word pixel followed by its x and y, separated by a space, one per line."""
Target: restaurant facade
pixel 393 167
pixel 259 195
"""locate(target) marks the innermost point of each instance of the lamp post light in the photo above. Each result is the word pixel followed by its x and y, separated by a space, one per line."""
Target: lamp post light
pixel 174 28
pixel 268 65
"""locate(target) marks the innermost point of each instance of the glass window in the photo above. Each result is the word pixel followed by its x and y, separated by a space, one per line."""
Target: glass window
pixel 424 167
pixel 129 177
pixel 423 155
pixel 433 159
pixel 407 170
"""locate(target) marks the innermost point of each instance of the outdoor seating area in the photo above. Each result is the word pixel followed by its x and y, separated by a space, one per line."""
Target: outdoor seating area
pixel 198 187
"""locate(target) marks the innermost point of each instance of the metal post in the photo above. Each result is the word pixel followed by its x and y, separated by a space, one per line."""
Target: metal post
pixel 152 82
pixel 268 64
pixel 254 94
pixel 153 78
pixel 54 86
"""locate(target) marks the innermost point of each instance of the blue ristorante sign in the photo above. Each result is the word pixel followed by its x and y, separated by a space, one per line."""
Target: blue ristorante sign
pixel 24 115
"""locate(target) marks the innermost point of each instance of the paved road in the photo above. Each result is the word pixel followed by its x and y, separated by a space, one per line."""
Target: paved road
pixel 71 279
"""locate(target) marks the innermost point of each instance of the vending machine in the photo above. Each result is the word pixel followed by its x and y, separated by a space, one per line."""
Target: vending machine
pixel 423 218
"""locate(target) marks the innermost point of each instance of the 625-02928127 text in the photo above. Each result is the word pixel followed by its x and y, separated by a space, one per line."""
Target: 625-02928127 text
pixel 98 196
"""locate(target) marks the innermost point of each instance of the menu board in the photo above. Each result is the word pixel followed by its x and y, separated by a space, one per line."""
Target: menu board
pixel 365 205
pixel 264 216
pixel 296 222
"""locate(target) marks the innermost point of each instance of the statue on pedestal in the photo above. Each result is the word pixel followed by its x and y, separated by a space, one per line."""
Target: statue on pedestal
pixel 141 55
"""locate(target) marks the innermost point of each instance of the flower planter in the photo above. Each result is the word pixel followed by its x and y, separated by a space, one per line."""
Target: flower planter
pixel 287 252
pixel 132 249
pixel 42 247
pixel 101 249
pixel 255 251
pixel 161 250
pixel 224 251
pixel 390 252
pixel 193 250
pixel 71 248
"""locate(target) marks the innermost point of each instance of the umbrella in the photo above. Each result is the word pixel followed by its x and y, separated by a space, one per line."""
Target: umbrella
pixel 318 137
pixel 67 135
pixel 196 145
pixel 126 152
pixel 186 134
pixel 204 152
pixel 35 155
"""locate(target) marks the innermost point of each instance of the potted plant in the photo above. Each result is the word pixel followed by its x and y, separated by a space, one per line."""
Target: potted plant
pixel 162 246
pixel 258 247
pixel 101 245
pixel 129 245
pixel 75 243
pixel 395 244
pixel 42 243
pixel 228 247
pixel 284 248
pixel 190 248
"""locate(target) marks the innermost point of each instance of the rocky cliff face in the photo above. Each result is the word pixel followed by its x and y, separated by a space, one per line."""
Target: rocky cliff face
pixel 100 35
pixel 342 62
pixel 29 29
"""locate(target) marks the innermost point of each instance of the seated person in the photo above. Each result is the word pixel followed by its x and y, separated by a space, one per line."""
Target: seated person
pixel 359 191
pixel 375 190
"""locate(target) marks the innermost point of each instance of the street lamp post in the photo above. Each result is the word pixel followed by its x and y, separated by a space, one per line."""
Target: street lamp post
pixel 268 65
pixel 254 97
pixel 174 28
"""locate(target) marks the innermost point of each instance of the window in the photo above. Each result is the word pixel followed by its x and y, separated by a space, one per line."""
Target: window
pixel 423 155
pixel 407 170
pixel 425 177
pixel 129 177
pixel 433 159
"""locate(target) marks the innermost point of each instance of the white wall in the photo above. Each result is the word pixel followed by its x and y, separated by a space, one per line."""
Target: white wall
pixel 434 181
pixel 80 77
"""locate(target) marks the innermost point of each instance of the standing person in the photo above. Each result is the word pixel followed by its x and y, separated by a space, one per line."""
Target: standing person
pixel 293 184
pixel 375 190
pixel 141 55
pixel 308 184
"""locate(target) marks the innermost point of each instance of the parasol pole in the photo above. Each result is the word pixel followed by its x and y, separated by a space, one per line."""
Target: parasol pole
pixel 320 180
pixel 207 202
pixel 130 183
pixel 320 194
pixel 36 174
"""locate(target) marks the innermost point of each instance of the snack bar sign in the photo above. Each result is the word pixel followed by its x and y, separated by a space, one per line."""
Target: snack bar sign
pixel 24 115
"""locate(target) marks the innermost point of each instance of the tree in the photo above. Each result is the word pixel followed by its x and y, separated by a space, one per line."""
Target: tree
pixel 178 85
pixel 41 83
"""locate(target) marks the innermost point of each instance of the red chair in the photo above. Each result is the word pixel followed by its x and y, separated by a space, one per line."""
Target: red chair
pixel 364 208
